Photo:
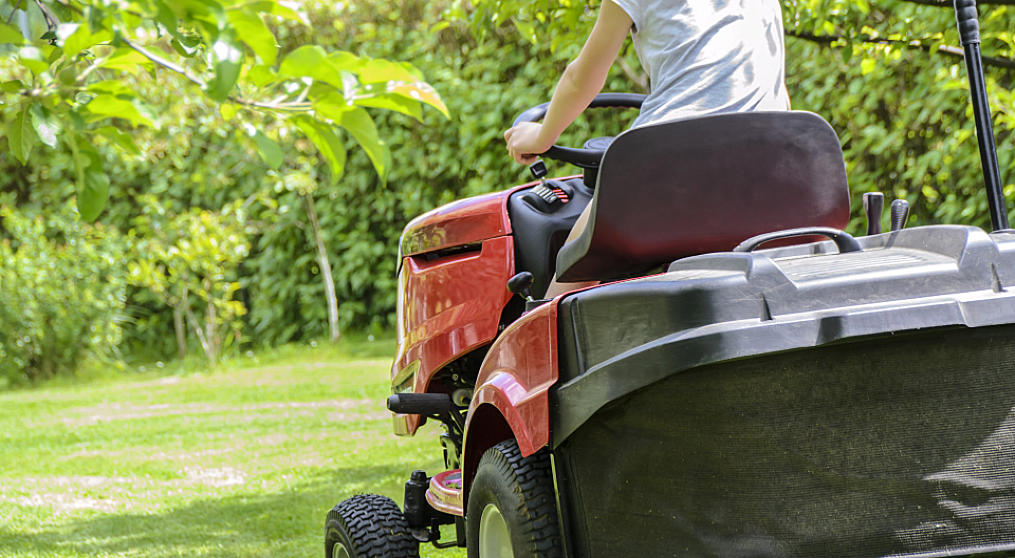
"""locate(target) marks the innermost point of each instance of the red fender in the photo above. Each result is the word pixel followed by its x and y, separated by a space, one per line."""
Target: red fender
pixel 512 390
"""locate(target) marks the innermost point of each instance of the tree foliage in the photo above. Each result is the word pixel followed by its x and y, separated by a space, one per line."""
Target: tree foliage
pixel 74 66
pixel 884 73
pixel 191 259
pixel 62 293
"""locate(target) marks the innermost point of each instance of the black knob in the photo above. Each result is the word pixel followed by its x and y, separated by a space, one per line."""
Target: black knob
pixel 900 214
pixel 873 207
pixel 521 284
pixel 538 169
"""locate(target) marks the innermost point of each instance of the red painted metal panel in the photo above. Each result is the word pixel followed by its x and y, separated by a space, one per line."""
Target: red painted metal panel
pixel 447 308
pixel 517 375
pixel 451 305
pixel 459 223
pixel 514 379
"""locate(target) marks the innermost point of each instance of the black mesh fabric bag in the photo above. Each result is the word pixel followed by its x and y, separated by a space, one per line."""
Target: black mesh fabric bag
pixel 883 446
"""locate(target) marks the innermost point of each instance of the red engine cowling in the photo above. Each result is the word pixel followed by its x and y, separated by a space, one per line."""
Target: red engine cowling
pixel 454 265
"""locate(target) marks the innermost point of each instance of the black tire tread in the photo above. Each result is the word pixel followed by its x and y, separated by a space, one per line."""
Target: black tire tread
pixel 374 525
pixel 537 506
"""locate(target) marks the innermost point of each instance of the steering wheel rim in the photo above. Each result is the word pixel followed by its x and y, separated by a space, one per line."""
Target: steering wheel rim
pixel 584 158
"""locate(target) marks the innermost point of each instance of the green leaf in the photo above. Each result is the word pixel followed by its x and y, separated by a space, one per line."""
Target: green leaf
pixel 327 142
pixel 112 87
pixel 208 11
pixel 12 86
pixel 120 139
pixel 33 59
pixel 83 38
pixel 21 136
pixel 268 149
pixel 93 193
pixel 227 58
pixel 261 75
pixel 310 61
pixel 127 60
pixel 112 106
pixel 420 91
pixel 379 70
pixel 185 46
pixel 275 9
pixel 92 182
pixel 331 105
pixel 362 127
pixel 165 16
pixel 359 124
pixel 252 31
pixel 867 65
pixel 397 103
pixel 227 111
pixel 47 127
pixel 10 34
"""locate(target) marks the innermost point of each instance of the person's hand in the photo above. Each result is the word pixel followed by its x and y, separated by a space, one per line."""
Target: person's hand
pixel 524 143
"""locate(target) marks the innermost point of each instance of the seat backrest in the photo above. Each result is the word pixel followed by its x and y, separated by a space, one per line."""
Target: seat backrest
pixel 705 184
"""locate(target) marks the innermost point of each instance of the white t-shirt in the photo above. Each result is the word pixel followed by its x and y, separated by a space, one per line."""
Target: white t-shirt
pixel 708 56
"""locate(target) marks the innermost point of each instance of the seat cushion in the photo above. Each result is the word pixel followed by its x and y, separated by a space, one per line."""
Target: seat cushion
pixel 703 185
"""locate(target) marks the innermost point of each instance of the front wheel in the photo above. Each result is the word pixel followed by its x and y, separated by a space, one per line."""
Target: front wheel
pixel 512 509
pixel 368 526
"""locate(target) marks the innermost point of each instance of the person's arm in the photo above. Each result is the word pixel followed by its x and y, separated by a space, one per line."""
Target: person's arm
pixel 581 81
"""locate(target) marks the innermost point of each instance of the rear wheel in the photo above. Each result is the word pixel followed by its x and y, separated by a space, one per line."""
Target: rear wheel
pixel 512 509
pixel 368 526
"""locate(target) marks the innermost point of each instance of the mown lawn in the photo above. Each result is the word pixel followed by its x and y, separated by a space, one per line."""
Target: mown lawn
pixel 244 461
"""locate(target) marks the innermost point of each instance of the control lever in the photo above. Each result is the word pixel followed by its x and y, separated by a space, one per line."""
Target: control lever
pixel 547 196
pixel 873 207
pixel 521 284
pixel 538 170
pixel 900 214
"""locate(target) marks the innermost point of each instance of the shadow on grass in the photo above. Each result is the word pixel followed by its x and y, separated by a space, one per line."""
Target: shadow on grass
pixel 289 523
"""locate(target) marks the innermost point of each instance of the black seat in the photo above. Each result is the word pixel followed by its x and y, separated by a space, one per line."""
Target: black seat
pixel 705 184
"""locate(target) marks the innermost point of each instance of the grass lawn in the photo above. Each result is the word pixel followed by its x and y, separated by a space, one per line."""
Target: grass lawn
pixel 244 461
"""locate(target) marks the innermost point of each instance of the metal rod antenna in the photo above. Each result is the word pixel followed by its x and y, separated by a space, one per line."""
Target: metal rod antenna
pixel 969 34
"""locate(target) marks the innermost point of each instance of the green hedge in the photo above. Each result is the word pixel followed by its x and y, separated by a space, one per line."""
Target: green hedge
pixel 61 294
pixel 904 121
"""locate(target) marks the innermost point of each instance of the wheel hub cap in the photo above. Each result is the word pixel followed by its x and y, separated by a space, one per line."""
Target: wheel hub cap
pixel 494 539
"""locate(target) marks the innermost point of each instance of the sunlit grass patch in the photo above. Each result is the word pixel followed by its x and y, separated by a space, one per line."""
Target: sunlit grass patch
pixel 242 461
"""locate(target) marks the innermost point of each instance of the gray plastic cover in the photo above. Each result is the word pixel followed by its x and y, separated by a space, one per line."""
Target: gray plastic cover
pixel 621 337
pixel 795 402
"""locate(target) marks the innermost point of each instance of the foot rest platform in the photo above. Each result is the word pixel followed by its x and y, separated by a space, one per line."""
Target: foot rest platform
pixel 445 492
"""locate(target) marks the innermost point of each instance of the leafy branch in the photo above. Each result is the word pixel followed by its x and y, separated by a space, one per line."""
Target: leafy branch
pixel 298 106
pixel 949 3
pixel 917 44
pixel 226 49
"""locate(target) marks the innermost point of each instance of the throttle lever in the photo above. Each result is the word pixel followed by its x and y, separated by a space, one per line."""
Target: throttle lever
pixel 538 170
pixel 899 215
pixel 873 207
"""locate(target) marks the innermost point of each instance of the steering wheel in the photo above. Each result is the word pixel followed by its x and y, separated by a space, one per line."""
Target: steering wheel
pixel 584 158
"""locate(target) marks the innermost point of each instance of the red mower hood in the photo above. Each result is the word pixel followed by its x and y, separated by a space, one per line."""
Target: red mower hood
pixel 460 223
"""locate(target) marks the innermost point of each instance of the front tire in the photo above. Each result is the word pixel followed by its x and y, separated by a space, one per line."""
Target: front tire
pixel 368 526
pixel 512 510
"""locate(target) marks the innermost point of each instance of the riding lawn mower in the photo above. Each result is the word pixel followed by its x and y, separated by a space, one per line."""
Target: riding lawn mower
pixel 746 380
